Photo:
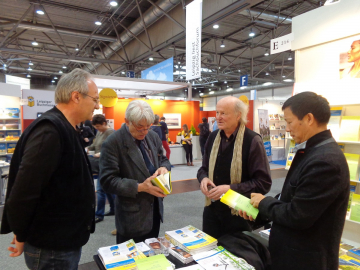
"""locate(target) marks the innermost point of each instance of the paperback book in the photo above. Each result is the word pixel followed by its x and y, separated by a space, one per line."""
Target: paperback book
pixel 355 208
pixel 154 244
pixel 143 248
pixel 354 252
pixel 191 239
pixel 239 202
pixel 353 161
pixel 163 181
pixel 347 259
pixel 220 258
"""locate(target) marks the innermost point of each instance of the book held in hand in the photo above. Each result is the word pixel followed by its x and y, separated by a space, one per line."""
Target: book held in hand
pixel 239 202
pixel 163 181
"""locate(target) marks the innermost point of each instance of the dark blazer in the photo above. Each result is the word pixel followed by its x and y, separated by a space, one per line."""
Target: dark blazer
pixel 122 168
pixel 308 219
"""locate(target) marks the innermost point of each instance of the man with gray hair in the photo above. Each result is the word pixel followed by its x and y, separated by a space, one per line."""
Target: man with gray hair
pixel 50 197
pixel 130 158
pixel 234 158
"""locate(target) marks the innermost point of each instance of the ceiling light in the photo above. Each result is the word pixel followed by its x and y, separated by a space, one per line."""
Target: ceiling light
pixel 283 76
pixel 185 90
pixel 151 59
pixel 222 44
pixel 266 53
pixel 4 65
pixel 52 81
pixel 212 84
pixel 31 63
pixel 215 26
pixel 179 63
pixel 251 34
pixel 64 67
pixel 29 69
pixel 229 89
pixel 200 79
pixel 225 82
pixel 40 11
pixel 60 71
pixel 195 88
pixel 34 43
pixel 330 2
pixel 55 78
pixel 239 70
pixel 77 47
pixel 219 67
pixel 267 83
pixel 201 94
pixel 113 3
pixel 29 76
pixel 98 23
pixel 290 57
pixel 288 80
pixel 181 77
pixel 212 92
pixel 267 74
pixel 123 72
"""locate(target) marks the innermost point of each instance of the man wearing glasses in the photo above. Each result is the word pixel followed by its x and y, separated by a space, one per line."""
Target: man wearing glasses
pixel 130 158
pixel 50 197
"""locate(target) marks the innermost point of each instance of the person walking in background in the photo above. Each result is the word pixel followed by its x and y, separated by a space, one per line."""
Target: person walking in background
pixel 186 139
pixel 130 158
pixel 308 217
pixel 165 134
pixel 50 196
pixel 204 133
pixel 234 158
pixel 87 134
pixel 156 127
pixel 103 131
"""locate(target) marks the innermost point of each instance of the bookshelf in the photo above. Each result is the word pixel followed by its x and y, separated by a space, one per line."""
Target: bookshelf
pixel 344 125
pixel 10 131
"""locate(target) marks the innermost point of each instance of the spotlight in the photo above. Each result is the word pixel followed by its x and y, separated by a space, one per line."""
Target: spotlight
pixel 64 67
pixel 29 76
pixel 222 44
pixel 55 78
pixel 29 69
pixel 34 43
pixel 215 26
pixel 113 3
pixel 98 23
pixel 60 71
pixel 251 34
pixel 40 11
pixel 77 47
pixel 290 57
pixel 266 53
pixel 31 63
pixel 151 59
pixel 52 81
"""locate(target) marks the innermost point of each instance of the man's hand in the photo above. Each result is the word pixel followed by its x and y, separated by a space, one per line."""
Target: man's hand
pixel 96 155
pixel 18 249
pixel 161 170
pixel 244 215
pixel 256 198
pixel 204 186
pixel 216 192
pixel 86 140
pixel 148 187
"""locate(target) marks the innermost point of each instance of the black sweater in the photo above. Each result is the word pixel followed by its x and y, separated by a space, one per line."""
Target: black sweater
pixel 50 197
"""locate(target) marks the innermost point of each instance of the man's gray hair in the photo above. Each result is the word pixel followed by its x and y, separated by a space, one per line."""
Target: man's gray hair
pixel 241 107
pixel 76 80
pixel 138 110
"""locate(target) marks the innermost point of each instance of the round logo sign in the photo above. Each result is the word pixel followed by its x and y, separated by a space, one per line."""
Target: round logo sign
pixel 244 99
pixel 108 97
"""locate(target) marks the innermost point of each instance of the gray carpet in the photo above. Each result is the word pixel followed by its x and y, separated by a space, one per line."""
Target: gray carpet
pixel 180 210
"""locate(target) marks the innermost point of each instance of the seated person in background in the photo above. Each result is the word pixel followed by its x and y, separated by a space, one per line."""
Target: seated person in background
pixel 186 138
pixel 130 158
pixel 156 126
pixel 309 216
pixel 234 158
pixel 103 131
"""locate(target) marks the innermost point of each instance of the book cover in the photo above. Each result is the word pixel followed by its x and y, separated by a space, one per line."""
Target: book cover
pixel 10 147
pixel 355 208
pixel 271 117
pixel 352 190
pixel 163 181
pixel 353 163
pixel 154 244
pixel 350 128
pixel 289 160
pixel 281 117
pixel 13 133
pixel 354 252
pixel 239 202
pixel 276 116
pixel 143 248
pixel 11 113
pixel 157 262
pixel 2 148
pixel 348 259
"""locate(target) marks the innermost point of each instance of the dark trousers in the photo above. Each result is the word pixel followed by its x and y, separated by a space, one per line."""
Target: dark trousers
pixel 202 144
pixel 218 221
pixel 101 196
pixel 154 233
pixel 188 152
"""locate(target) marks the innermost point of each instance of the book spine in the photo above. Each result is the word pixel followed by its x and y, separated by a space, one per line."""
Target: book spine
pixel 177 243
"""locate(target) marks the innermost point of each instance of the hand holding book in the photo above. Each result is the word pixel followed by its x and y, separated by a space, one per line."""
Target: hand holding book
pixel 239 202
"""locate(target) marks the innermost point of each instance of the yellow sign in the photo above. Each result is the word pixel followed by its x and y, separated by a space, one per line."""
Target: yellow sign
pixel 244 99
pixel 31 101
pixel 108 97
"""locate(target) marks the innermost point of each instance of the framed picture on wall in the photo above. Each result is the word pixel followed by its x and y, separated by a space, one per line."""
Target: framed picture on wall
pixel 173 120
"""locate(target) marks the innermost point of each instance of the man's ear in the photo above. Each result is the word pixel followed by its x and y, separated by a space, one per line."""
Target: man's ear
pixel 75 97
pixel 127 122
pixel 310 119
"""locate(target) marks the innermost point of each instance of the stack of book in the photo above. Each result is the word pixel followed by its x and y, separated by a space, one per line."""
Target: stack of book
pixel 348 263
pixel 122 256
pixel 354 252
pixel 143 248
pixel 154 244
pixel 220 258
pixel 191 239
pixel 180 254
pixel 265 233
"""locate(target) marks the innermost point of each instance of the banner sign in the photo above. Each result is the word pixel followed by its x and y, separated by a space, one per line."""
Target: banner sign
pixel 244 80
pixel 281 44
pixel 265 130
pixel 193 39
pixel 39 101
pixel 160 72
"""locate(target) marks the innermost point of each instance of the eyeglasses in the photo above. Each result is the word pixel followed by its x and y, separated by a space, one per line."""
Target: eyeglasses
pixel 96 100
pixel 140 129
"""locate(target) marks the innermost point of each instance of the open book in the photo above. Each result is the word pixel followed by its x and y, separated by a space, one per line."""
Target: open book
pixel 239 202
pixel 163 181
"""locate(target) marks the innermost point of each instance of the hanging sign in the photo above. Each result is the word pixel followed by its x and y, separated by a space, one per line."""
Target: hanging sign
pixel 193 39
pixel 244 80
pixel 281 44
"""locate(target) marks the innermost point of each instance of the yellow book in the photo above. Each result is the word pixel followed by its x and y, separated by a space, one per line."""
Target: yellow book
pixel 163 181
pixel 353 163
pixel 350 128
pixel 239 202
pixel 348 263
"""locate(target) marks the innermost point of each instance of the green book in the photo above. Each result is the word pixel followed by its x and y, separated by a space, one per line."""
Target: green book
pixel 153 263
pixel 355 208
pixel 239 202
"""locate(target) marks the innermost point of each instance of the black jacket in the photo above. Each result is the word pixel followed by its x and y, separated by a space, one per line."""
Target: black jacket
pixel 308 219
pixel 50 205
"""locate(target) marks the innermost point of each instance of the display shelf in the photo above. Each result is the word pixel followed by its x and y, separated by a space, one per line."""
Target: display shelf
pixel 10 119
pixel 6 141
pixel 348 142
pixel 277 147
pixel 8 129
pixel 3 155
pixel 276 120
pixel 354 181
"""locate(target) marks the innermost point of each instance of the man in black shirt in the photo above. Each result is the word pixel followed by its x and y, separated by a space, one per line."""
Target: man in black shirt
pixel 50 197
